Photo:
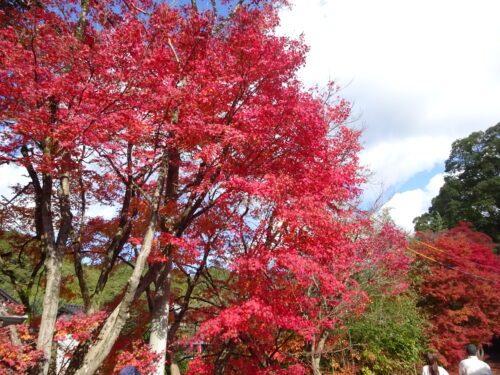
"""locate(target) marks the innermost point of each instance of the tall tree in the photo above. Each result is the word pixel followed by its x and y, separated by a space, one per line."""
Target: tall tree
pixel 191 122
pixel 471 191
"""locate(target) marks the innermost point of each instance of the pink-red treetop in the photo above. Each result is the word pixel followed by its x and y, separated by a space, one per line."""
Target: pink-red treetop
pixel 260 170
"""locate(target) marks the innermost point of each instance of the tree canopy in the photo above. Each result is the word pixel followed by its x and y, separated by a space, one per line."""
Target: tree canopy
pixel 459 289
pixel 189 122
pixel 471 191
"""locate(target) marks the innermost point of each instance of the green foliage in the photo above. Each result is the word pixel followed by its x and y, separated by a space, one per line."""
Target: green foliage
pixel 471 191
pixel 70 291
pixel 114 286
pixel 390 335
pixel 20 268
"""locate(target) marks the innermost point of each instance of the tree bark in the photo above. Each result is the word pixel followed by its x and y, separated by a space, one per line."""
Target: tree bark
pixel 115 322
pixel 55 253
pixel 317 351
pixel 159 319
pixel 174 368
pixel 80 28
pixel 53 264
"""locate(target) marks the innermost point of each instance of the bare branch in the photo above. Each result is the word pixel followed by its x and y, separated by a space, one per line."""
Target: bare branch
pixel 126 261
pixel 124 180
pixel 173 50
pixel 220 26
pixel 131 6
pixel 15 196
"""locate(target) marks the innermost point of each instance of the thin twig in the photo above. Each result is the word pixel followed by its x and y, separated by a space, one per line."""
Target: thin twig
pixel 15 196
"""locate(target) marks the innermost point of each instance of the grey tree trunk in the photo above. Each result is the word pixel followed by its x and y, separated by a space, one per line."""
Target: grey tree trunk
pixel 54 251
pixel 50 306
pixel 317 352
pixel 159 321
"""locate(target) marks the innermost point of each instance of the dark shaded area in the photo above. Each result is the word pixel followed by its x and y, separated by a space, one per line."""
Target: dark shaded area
pixel 492 352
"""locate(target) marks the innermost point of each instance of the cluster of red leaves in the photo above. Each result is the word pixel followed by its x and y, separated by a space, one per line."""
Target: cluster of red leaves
pixel 462 308
pixel 18 359
pixel 80 327
pixel 138 356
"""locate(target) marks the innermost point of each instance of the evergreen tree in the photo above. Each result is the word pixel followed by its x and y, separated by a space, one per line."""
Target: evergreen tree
pixel 471 191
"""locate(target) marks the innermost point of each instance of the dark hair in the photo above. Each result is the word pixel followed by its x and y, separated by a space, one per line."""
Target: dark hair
pixel 471 349
pixel 431 360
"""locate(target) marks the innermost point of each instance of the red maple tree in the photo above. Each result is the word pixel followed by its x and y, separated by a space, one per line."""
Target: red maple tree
pixel 194 126
pixel 460 290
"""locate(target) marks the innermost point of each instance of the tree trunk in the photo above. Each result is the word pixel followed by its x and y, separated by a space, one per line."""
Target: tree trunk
pixel 315 361
pixel 53 264
pixel 317 352
pixel 174 367
pixel 159 321
pixel 115 322
pixel 50 306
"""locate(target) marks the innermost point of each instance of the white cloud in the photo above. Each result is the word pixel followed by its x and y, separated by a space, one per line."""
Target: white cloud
pixel 396 161
pixel 405 206
pixel 420 74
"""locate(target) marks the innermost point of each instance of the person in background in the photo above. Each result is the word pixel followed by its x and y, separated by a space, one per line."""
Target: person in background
pixel 473 365
pixel 432 367
pixel 129 370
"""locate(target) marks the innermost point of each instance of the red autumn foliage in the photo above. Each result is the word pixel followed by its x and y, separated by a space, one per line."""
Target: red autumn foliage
pixel 260 170
pixel 79 326
pixel 139 356
pixel 280 301
pixel 461 302
pixel 17 359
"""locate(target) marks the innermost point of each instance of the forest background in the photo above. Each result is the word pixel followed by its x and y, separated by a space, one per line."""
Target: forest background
pixel 238 245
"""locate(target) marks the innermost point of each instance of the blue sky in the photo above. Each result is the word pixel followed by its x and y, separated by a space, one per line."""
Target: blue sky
pixel 421 178
pixel 420 74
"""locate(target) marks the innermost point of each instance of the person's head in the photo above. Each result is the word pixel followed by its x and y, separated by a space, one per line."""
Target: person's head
pixel 129 370
pixel 471 349
pixel 431 360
